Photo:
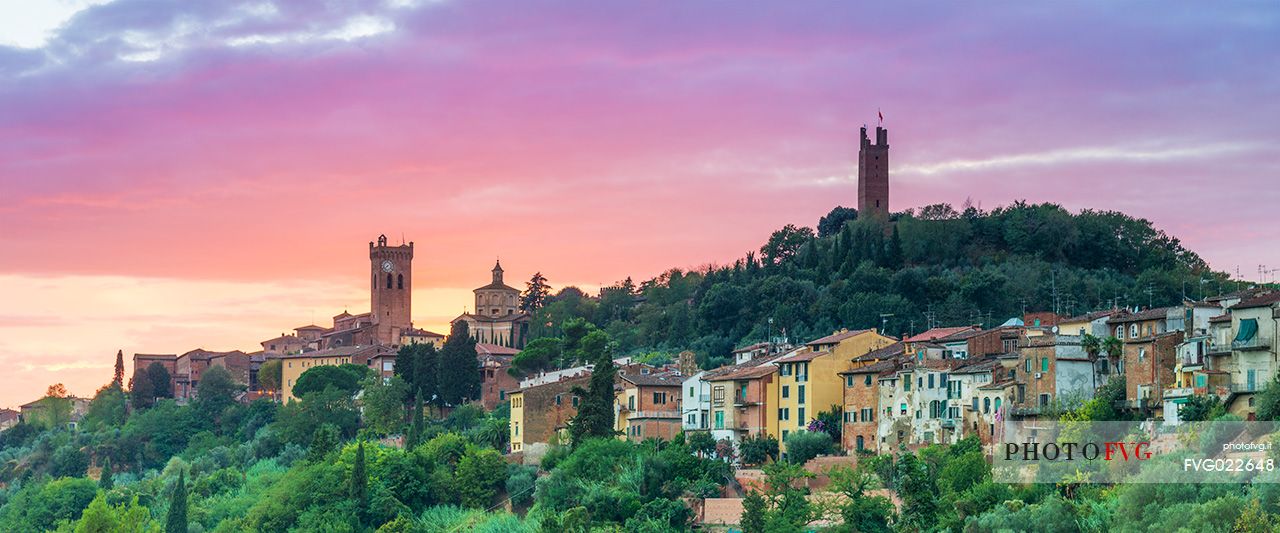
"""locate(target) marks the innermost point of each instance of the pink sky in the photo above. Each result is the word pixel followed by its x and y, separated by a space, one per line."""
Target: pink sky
pixel 208 174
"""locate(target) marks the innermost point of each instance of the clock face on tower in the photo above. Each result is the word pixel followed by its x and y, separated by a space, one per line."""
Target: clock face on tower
pixel 387 266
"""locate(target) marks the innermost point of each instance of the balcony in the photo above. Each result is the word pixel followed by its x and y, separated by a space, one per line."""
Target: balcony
pixel 1243 387
pixel 656 414
pixel 1258 342
pixel 1181 392
pixel 1191 360
pixel 744 402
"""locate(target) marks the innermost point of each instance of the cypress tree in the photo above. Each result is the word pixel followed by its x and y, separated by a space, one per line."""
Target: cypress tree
pixel 360 485
pixel 595 410
pixel 415 427
pixel 104 481
pixel 118 378
pixel 893 256
pixel 177 520
pixel 459 371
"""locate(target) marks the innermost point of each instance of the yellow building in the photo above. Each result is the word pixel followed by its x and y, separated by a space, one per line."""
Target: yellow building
pixel 809 379
pixel 421 336
pixel 292 366
pixel 517 421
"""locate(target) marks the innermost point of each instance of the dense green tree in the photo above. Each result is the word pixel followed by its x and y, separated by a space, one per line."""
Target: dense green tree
pixel 105 479
pixel 323 442
pixel 383 404
pixel 40 506
pixel 216 392
pixel 479 475
pixel 831 223
pixel 1268 401
pixel 459 372
pixel 68 461
pixel 416 423
pixel 918 491
pixel 269 374
pixel 109 408
pixel 535 294
pixel 359 492
pixel 805 445
pixel 1201 408
pixel 540 354
pixel 860 512
pixel 161 381
pixel 595 416
pixel 753 513
pixel 318 378
pixel 757 449
pixel 102 517
pixel 176 520
pixel 298 420
pixel 785 243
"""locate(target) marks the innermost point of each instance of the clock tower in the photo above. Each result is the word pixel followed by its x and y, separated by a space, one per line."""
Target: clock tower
pixel 391 289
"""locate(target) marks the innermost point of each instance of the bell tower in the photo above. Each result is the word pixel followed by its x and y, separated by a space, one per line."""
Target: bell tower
pixel 391 289
pixel 873 175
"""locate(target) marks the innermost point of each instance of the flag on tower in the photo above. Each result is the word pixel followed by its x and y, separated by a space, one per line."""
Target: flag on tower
pixel 881 113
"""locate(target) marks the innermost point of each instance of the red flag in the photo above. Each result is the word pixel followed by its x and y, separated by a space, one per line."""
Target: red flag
pixel 878 112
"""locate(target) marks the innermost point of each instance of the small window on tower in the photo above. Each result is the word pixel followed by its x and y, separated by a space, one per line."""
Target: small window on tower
pixel 388 281
pixel 399 281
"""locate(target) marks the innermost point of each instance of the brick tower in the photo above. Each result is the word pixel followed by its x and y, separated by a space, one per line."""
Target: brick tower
pixel 391 289
pixel 873 175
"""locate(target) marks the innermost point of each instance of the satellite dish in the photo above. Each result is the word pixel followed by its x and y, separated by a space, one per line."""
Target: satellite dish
pixel 1055 330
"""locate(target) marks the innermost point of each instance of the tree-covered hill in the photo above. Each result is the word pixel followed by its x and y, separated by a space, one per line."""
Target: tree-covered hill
pixel 934 265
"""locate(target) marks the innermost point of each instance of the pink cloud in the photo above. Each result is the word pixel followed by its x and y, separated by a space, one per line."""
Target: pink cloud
pixel 601 140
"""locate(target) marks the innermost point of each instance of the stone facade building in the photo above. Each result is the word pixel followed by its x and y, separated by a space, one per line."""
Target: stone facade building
pixel 497 318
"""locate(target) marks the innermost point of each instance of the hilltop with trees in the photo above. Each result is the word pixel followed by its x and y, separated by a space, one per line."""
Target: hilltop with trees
pixel 936 264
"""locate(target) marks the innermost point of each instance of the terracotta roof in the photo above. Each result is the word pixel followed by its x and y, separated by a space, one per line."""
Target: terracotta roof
pixel 1241 294
pixel 417 332
pixel 367 350
pixel 1147 314
pixel 308 327
pixel 978 367
pixel 838 336
pixel 762 369
pixel 965 335
pixel 998 384
pixel 155 356
pixel 891 351
pixel 499 318
pixel 752 363
pixel 496 286
pixel 1224 317
pixel 875 368
pixel 1090 317
pixel 752 347
pixel 938 333
pixel 668 379
pixel 1261 300
pixel 484 348
pixel 799 356
pixel 348 330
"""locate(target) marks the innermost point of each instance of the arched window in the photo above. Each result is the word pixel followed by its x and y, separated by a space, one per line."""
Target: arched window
pixel 1119 332
pixel 986 405
pixel 997 404
pixel 399 281
pixel 388 281
pixel 1133 331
